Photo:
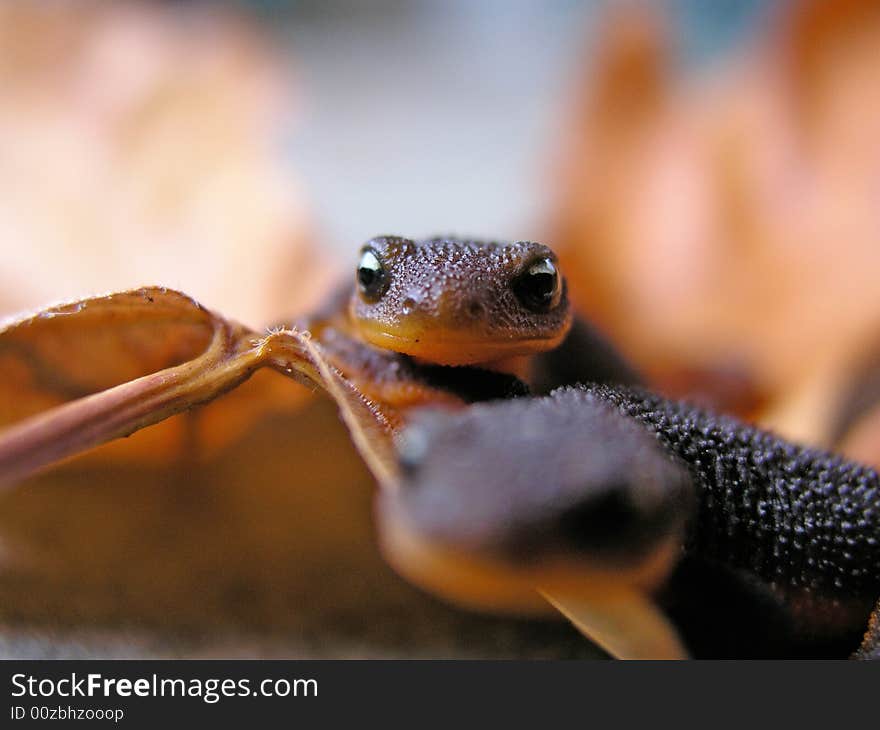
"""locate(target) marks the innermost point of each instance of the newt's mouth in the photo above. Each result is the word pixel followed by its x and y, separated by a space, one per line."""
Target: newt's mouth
pixel 446 346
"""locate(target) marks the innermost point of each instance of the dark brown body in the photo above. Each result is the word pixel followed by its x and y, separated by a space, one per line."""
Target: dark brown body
pixel 779 544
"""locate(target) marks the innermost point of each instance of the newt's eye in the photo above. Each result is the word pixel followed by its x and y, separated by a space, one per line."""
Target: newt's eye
pixel 538 287
pixel 371 276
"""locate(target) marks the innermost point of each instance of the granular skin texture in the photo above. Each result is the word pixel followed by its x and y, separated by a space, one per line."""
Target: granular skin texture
pixel 778 543
pixel 465 284
pixel 805 521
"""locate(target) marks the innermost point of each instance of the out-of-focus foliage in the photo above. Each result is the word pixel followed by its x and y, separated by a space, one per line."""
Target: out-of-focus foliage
pixel 722 226
pixel 80 374
pixel 140 145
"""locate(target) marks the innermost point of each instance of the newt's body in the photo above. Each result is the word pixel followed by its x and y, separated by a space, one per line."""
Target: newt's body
pixel 614 499
pixel 777 546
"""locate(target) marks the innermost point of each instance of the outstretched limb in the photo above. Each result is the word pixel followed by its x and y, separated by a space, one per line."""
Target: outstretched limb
pixel 80 374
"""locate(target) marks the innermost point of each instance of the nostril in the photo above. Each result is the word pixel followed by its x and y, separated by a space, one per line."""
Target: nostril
pixel 408 305
pixel 475 309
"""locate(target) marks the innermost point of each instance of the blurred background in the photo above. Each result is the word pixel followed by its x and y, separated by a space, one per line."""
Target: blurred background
pixel 708 172
pixel 128 127
pixel 430 117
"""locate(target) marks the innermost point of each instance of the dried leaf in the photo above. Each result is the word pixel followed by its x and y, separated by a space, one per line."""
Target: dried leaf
pixel 135 146
pixel 139 146
pixel 626 625
pixel 371 425
pixel 61 364
pixel 726 227
pixel 72 350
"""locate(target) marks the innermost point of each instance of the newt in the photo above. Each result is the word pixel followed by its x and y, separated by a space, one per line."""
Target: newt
pixel 657 528
pixel 450 321
pixel 613 497
pixel 617 498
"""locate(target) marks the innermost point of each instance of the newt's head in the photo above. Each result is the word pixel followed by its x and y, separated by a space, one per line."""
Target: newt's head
pixel 458 302
pixel 560 493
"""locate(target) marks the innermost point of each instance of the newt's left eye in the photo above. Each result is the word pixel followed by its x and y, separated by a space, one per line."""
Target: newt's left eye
pixel 539 287
pixel 371 276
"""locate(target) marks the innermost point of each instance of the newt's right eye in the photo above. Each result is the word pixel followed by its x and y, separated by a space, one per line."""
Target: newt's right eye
pixel 372 278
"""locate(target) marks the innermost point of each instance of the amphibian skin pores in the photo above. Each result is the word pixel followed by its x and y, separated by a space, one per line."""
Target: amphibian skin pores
pixel 754 546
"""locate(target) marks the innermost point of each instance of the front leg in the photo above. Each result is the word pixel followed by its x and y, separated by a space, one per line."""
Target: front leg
pixel 597 492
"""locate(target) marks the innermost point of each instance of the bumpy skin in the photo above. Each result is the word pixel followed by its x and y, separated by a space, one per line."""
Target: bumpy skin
pixel 452 301
pixel 799 518
pixel 803 522
pixel 780 552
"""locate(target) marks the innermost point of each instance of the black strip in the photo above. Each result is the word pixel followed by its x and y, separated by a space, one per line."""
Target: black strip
pixel 459 694
pixel 471 384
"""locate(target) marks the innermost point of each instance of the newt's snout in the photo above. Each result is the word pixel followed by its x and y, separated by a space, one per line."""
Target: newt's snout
pixel 507 486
